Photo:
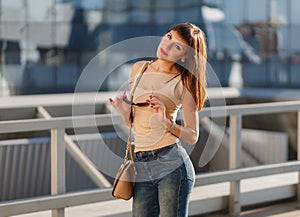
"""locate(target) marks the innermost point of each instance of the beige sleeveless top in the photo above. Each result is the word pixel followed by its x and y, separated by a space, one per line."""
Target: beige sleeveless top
pixel 149 133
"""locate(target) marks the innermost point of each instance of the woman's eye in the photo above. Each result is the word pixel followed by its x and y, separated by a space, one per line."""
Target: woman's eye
pixel 169 36
pixel 177 47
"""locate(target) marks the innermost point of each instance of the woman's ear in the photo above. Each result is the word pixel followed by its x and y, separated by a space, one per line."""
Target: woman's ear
pixel 183 58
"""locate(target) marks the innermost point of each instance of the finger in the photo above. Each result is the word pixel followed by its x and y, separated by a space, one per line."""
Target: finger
pixel 155 101
pixel 157 106
pixel 119 98
pixel 154 97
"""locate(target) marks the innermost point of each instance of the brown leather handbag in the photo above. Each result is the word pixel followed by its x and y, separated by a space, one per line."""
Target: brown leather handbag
pixel 125 177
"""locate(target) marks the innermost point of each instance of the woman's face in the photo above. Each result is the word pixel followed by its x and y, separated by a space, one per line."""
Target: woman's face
pixel 172 47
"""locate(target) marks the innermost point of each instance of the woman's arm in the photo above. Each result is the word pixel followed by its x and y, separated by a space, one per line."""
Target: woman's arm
pixel 189 132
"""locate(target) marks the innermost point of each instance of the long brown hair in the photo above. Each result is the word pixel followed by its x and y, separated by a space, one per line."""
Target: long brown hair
pixel 193 69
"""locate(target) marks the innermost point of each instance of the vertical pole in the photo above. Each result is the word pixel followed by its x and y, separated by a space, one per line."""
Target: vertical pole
pixel 234 163
pixel 58 185
pixel 298 152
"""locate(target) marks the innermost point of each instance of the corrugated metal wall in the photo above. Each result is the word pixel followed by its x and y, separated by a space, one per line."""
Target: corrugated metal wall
pixel 25 165
pixel 267 147
pixel 24 168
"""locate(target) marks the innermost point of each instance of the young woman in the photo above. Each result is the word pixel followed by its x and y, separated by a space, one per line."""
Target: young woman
pixel 175 79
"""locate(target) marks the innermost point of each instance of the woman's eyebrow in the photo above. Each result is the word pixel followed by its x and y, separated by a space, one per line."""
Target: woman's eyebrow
pixel 177 42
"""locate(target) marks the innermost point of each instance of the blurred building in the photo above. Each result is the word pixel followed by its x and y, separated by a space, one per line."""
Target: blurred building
pixel 45 45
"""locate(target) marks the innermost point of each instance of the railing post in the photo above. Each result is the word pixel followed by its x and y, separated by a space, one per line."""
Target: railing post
pixel 234 163
pixel 298 152
pixel 58 155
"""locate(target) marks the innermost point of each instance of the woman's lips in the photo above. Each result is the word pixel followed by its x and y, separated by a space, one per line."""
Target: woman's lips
pixel 163 52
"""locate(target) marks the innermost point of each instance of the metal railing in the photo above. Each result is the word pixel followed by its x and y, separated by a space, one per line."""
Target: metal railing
pixel 59 199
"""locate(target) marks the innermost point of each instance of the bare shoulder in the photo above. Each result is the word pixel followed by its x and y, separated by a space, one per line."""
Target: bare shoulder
pixel 136 67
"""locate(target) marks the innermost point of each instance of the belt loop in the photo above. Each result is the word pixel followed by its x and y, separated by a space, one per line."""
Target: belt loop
pixel 153 152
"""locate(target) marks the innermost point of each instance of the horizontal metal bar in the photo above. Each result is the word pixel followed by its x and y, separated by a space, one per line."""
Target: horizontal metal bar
pixel 246 173
pixel 250 109
pixel 109 119
pixel 54 202
pixel 59 122
pixel 61 99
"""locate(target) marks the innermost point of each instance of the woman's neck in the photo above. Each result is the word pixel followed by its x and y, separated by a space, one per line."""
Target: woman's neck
pixel 161 65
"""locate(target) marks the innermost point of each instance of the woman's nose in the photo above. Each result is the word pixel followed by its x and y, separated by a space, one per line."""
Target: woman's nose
pixel 168 46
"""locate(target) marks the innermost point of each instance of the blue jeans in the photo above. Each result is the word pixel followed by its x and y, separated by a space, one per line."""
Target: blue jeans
pixel 164 183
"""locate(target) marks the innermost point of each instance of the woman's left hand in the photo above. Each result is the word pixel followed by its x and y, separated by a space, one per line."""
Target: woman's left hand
pixel 159 107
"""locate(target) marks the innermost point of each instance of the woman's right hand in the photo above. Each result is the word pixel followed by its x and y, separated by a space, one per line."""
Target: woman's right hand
pixel 118 102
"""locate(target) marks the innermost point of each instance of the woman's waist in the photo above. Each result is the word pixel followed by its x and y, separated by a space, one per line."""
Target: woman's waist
pixel 153 141
pixel 153 154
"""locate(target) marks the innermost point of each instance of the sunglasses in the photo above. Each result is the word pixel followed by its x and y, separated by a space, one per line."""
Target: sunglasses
pixel 140 104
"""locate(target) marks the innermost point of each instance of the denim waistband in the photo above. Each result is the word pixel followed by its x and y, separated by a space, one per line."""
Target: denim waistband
pixel 152 155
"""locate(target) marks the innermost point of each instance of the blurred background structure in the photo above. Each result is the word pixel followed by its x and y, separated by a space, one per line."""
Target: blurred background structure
pixel 249 128
pixel 46 44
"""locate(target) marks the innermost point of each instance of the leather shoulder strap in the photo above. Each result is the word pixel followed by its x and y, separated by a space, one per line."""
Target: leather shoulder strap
pixel 129 143
pixel 140 73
